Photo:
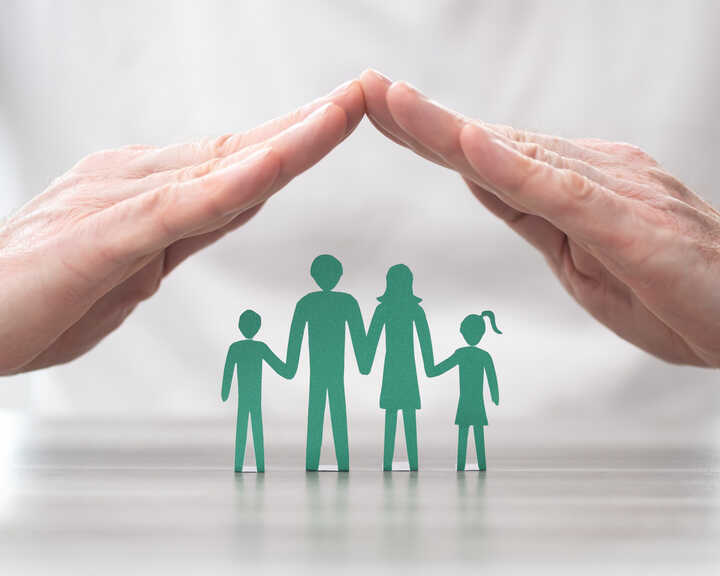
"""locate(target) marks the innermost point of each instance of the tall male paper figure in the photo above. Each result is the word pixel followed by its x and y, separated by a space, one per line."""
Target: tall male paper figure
pixel 326 313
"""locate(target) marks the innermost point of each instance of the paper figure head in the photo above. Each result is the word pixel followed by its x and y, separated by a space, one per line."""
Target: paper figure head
pixel 399 287
pixel 473 327
pixel 249 323
pixel 326 271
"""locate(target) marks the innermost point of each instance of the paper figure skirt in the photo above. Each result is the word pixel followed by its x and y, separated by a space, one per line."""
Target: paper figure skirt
pixel 471 414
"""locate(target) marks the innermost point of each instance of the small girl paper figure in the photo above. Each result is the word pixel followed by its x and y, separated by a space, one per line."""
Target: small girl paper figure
pixel 472 362
pixel 248 355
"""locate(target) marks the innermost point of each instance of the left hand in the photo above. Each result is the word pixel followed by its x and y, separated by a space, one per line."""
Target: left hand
pixel 629 242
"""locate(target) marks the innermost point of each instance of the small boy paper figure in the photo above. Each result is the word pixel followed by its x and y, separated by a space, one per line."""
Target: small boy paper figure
pixel 472 363
pixel 248 356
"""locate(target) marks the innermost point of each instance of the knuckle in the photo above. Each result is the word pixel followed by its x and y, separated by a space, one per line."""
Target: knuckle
pixel 532 150
pixel 198 170
pixel 535 175
pixel 578 188
pixel 150 287
pixel 538 152
pixel 518 135
pixel 224 145
pixel 185 174
pixel 145 282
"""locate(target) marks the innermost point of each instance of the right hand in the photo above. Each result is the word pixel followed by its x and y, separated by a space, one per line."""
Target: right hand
pixel 77 259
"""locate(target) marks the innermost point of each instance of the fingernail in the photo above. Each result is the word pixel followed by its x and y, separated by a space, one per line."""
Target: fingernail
pixel 344 86
pixel 319 112
pixel 406 85
pixel 378 74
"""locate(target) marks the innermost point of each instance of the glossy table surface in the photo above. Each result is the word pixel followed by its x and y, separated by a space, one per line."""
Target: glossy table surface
pixel 158 496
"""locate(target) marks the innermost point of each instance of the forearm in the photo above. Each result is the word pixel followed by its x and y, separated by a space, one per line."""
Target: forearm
pixel 293 355
pixel 444 366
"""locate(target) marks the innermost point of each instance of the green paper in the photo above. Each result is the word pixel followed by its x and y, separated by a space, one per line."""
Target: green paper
pixel 248 356
pixel 399 315
pixel 326 313
pixel 472 363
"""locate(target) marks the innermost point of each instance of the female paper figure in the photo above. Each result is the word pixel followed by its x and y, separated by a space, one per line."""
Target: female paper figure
pixel 400 315
pixel 472 362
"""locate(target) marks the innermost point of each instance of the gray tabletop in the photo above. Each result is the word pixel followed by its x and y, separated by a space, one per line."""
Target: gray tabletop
pixel 95 497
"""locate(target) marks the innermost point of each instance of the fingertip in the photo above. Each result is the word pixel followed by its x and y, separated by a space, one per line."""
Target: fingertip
pixel 350 98
pixel 374 90
pixel 348 95
pixel 354 105
pixel 400 91
pixel 253 176
pixel 331 115
pixel 338 119
pixel 400 98
pixel 373 83
pixel 372 74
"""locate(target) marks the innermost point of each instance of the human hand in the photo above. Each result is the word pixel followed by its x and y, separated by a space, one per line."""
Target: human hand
pixel 629 242
pixel 78 258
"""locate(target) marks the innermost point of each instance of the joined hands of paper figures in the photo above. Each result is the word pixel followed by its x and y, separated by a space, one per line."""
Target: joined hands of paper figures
pixel 326 313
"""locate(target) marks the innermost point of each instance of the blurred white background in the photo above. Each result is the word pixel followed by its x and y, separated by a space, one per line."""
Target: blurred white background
pixel 80 76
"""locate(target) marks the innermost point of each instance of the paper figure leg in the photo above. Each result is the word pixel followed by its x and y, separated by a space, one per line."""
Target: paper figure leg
pixel 316 417
pixel 390 427
pixel 257 432
pixel 240 439
pixel 411 437
pixel 462 447
pixel 338 417
pixel 480 446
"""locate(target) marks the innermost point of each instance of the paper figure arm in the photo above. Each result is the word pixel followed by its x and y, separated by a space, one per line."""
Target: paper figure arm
pixel 297 329
pixel 357 333
pixel 228 374
pixel 373 338
pixel 276 363
pixel 444 366
pixel 492 380
pixel 423 332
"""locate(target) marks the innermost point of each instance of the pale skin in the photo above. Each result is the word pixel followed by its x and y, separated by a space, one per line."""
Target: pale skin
pixel 78 258
pixel 628 241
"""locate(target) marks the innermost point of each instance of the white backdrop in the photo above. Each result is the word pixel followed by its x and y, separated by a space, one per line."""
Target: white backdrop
pixel 78 76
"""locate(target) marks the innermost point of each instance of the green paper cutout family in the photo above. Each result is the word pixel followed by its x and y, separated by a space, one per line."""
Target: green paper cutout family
pixel 326 313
